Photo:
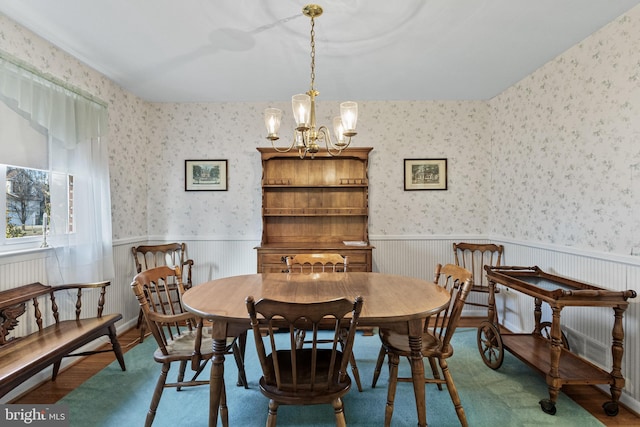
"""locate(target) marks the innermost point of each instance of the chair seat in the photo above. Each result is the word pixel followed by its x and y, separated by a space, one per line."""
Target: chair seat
pixel 398 343
pixel 182 345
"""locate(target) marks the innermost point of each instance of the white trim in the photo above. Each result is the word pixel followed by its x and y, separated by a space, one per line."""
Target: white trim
pixel 130 240
pixel 458 237
pixel 23 255
pixel 214 238
pixel 608 256
pixel 588 253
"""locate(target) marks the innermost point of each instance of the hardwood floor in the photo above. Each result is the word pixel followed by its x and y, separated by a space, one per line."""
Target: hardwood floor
pixel 589 397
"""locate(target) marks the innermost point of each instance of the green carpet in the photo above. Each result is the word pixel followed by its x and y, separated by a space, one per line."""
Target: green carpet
pixel 506 397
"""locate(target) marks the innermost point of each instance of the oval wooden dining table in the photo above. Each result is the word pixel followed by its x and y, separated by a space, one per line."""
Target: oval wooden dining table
pixel 396 302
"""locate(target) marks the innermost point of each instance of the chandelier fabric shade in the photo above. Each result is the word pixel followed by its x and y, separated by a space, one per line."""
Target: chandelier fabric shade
pixel 307 136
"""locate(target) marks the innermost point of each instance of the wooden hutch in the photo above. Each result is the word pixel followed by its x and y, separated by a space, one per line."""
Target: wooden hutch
pixel 315 205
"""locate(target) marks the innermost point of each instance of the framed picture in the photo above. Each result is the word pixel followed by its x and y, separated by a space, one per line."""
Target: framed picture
pixel 425 174
pixel 205 175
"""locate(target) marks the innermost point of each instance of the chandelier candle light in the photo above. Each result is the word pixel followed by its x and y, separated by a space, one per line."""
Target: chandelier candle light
pixel 306 136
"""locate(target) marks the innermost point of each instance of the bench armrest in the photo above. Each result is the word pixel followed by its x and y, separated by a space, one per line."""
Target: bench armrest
pixel 80 286
pixel 102 284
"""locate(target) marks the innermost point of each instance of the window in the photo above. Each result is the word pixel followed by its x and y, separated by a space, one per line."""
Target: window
pixel 28 200
pixel 55 162
pixel 29 186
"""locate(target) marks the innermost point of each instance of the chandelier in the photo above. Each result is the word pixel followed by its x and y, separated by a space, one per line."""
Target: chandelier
pixel 306 136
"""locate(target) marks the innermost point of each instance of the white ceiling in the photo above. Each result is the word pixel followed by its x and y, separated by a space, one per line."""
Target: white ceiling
pixel 258 50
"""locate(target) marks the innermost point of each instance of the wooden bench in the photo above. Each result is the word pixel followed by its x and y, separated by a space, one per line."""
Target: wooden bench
pixel 51 338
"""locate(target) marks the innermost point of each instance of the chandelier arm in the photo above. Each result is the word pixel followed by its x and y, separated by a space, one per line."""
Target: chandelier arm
pixel 342 147
pixel 325 135
pixel 286 149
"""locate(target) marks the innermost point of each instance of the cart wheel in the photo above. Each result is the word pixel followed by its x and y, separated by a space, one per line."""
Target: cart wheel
pixel 490 345
pixel 548 407
pixel 610 408
pixel 545 331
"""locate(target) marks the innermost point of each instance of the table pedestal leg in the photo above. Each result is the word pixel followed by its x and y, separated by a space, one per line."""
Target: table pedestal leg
pixel 417 370
pixel 216 386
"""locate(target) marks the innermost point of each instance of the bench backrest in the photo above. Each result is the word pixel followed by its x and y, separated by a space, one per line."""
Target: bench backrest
pixel 37 299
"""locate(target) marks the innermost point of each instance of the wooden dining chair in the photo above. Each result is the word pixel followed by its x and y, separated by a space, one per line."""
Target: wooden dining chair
pixel 436 340
pixel 322 263
pixel 315 374
pixel 151 256
pixel 317 262
pixel 473 257
pixel 181 336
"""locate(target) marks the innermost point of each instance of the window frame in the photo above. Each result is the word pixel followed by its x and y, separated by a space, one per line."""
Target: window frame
pixel 12 244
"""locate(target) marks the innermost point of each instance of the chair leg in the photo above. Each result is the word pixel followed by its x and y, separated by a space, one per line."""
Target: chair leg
pixel 379 362
pixel 224 410
pixel 391 392
pixel 338 410
pixel 273 413
pixel 157 394
pixel 354 370
pixel 242 377
pixel 453 392
pixel 199 370
pixel 242 346
pixel 183 368
pixel 352 359
pixel 435 371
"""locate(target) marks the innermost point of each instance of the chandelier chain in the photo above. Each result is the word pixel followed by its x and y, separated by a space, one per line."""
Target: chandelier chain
pixel 313 54
pixel 307 135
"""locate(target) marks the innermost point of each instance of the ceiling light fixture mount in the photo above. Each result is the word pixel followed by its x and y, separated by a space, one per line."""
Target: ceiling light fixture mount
pixel 306 136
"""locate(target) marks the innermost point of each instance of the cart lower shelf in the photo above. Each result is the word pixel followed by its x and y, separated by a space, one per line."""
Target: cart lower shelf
pixel 535 351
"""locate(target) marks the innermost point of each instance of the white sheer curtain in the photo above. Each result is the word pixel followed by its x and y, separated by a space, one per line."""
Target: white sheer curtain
pixel 77 130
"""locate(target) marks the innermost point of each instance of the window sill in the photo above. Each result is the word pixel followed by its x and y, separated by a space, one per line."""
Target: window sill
pixel 28 253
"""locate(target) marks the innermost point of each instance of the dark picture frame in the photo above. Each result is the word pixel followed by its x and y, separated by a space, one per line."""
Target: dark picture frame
pixel 205 175
pixel 425 174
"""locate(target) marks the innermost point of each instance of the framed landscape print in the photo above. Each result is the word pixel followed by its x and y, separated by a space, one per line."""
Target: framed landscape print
pixel 425 174
pixel 205 175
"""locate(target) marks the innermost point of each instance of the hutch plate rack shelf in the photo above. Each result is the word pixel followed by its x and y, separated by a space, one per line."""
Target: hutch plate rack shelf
pixel 318 205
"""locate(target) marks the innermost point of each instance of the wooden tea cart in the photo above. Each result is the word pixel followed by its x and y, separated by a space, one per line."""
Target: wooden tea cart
pixel 546 349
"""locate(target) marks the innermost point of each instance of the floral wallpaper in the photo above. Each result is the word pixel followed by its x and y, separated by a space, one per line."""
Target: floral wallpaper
pixel 553 159
pixel 453 130
pixel 565 150
pixel 396 130
pixel 180 132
